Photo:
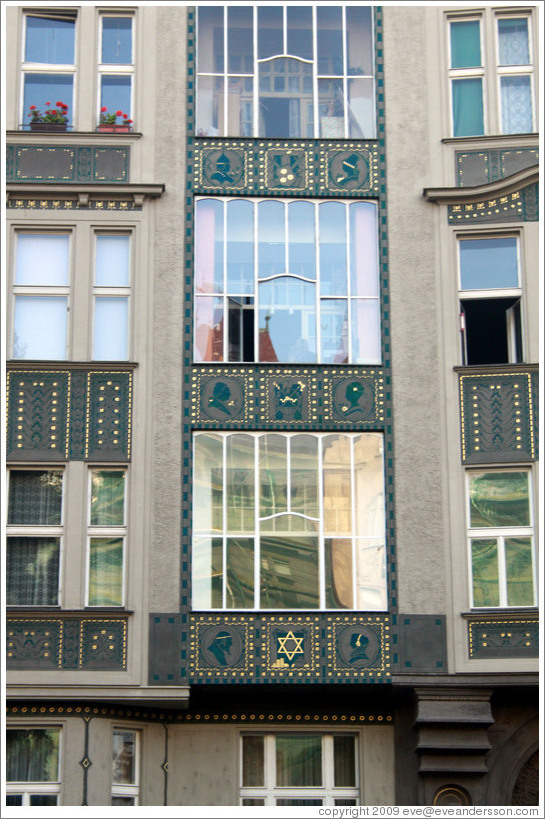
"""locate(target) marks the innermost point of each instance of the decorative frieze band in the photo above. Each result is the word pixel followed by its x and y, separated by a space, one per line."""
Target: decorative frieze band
pixel 479 167
pixel 501 637
pixel 67 163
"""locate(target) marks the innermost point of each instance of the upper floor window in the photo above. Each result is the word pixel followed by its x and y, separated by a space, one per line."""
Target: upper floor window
pixel 286 71
pixel 125 763
pixel 111 296
pixel 116 68
pixel 48 62
pixel 490 295
pixel 491 74
pixel 32 766
pixel 289 521
pixel 501 538
pixel 288 769
pixel 107 534
pixel 287 281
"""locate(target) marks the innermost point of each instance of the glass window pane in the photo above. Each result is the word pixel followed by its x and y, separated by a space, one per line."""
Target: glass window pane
pixel 289 572
pixel 240 109
pixel 32 755
pixel 13 799
pixel 40 327
pixel 304 475
pixel 270 31
pixel 43 799
pixel 337 486
pixel 115 93
pixel 43 88
pixel 484 559
pixel 513 43
pixel 107 498
pixel 369 485
pixel 207 573
pixel 240 40
pixel 287 320
pixel 516 105
pixel 122 800
pixel 487 264
pixel 112 261
pixel 363 249
pixel 344 751
pixel 465 44
pixel 298 761
pixel 334 327
pixel 49 41
pixel 111 328
pixel 208 476
pixel 519 571
pixel 208 329
pixel 106 572
pixel 361 109
pixel 35 497
pixel 371 575
pixel 241 330
pixel 240 573
pixel 272 239
pixel 467 107
pixel 124 757
pixel 333 241
pixel 339 587
pixel 365 331
pixel 210 38
pixel 253 762
pixel 285 89
pixel 253 802
pixel 360 39
pixel 42 259
pixel 300 32
pixel 32 571
pixel 240 487
pixel 273 475
pixel 208 253
pixel 117 40
pixel 300 802
pixel 240 247
pixel 302 240
pixel 499 499
pixel 331 108
pixel 330 40
pixel 210 96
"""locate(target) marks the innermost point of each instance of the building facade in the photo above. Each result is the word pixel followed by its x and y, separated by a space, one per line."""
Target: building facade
pixel 272 405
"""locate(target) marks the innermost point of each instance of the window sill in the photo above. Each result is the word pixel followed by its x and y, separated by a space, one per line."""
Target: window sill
pixel 495 368
pixel 489 139
pixel 500 612
pixel 67 134
pixel 30 610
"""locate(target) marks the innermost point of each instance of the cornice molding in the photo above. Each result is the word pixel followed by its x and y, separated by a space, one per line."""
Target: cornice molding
pixel 138 192
pixel 500 187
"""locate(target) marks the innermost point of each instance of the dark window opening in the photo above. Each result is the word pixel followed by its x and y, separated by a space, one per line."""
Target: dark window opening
pixel 491 331
pixel 241 329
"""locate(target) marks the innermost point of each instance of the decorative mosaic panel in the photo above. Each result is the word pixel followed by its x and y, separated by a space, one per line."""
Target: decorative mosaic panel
pixel 69 415
pixel 304 397
pixel 71 203
pixel 66 643
pixel 497 423
pixel 67 163
pixel 519 206
pixel 285 167
pixel 289 648
pixel 475 168
pixel 503 637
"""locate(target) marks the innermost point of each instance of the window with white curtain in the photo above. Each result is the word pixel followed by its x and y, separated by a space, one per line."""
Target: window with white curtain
pixel 289 521
pixel 298 769
pixel 32 758
pixel 125 766
pixel 287 281
pixel 34 536
pixel 491 73
pixel 106 537
pixel 111 296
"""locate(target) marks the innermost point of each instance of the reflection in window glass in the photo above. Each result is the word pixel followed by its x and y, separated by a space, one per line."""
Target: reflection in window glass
pixel 35 497
pixel 49 41
pixel 490 263
pixel 42 88
pixel 107 498
pixel 40 327
pixel 116 40
pixel 32 754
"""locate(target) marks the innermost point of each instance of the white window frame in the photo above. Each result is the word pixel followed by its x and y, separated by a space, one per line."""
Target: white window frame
pixel 113 69
pixel 467 73
pixel 514 70
pixel 41 531
pixel 351 300
pixel 327 792
pixel 108 291
pixel 131 790
pixel 321 537
pixel 27 789
pixel 227 75
pixel 500 533
pixel 106 532
pixel 48 68
pixel 31 290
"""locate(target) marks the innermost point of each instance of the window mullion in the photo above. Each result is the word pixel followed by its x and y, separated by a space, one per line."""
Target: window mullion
pixel 225 298
pixel 321 535
pixel 351 355
pixel 256 280
pixel 502 573
pixel 225 524
pixel 318 291
pixel 257 536
pixel 353 524
pixel 255 79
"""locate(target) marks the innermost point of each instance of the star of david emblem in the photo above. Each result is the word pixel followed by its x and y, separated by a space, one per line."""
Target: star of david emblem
pixel 290 646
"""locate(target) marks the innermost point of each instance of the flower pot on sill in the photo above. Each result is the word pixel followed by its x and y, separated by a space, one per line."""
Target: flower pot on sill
pixel 114 129
pixel 48 126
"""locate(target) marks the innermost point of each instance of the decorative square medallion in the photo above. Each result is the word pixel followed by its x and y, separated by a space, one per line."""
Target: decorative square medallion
pixel 359 647
pixel 290 647
pixel 221 646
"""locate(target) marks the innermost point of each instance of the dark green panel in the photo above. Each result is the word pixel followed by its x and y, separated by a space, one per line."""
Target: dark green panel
pixel 479 167
pixel 68 163
pixel 108 416
pixel 503 638
pixel 421 644
pixel 33 643
pixel 38 415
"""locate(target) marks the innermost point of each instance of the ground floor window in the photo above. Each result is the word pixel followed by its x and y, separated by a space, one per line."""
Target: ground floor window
pixel 125 765
pixel 299 769
pixel 32 766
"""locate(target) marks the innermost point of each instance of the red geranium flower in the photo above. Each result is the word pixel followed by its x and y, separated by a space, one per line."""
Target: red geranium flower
pixel 32 107
pixel 103 109
pixel 118 113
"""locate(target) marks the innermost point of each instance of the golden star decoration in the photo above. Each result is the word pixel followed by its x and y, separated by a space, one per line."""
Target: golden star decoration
pixel 296 643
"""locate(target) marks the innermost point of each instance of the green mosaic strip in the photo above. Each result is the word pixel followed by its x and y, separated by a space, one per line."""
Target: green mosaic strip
pixel 519 206
pixel 286 167
pixel 506 637
pixel 497 423
pixel 289 648
pixel 67 163
pixel 479 167
pixel 73 204
pixel 69 414
pixel 67 643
